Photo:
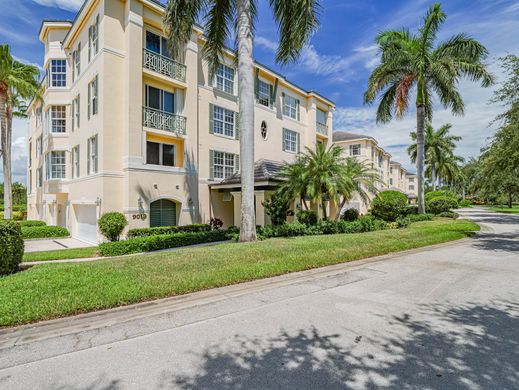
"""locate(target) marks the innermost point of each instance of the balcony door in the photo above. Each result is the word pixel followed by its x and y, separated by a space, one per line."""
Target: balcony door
pixel 160 100
pixel 157 44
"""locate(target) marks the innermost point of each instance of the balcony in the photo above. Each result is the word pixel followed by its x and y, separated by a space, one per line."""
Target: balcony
pixel 321 128
pixel 164 65
pixel 162 120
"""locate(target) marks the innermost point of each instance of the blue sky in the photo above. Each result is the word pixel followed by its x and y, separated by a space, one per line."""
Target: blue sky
pixel 336 62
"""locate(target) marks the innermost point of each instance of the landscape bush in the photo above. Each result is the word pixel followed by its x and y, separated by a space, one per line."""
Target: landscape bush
pixel 162 241
pixel 32 232
pixel 411 209
pixel 17 215
pixel 449 214
pixel 31 223
pixel 389 205
pixel 402 222
pixel 154 231
pixel 439 193
pixel 420 217
pixel 441 204
pixel 112 225
pixel 11 247
pixel 465 203
pixel 350 215
pixel 307 217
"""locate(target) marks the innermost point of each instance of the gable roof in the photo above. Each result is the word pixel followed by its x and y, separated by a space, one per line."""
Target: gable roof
pixel 346 136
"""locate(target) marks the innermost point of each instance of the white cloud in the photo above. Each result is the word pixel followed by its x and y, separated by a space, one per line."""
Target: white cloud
pixel 69 5
pixel 266 43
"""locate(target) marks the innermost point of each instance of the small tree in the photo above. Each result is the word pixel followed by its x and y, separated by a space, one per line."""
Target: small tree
pixel 277 208
pixel 112 225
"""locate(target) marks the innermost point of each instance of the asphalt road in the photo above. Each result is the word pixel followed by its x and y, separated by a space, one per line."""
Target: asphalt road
pixel 441 318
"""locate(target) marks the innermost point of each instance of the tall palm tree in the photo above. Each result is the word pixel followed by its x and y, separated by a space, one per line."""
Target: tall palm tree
pixel 448 169
pixel 18 81
pixel 439 145
pixel 294 178
pixel 415 60
pixel 297 20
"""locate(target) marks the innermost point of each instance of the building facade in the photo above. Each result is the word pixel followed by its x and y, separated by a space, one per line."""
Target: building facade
pixel 123 126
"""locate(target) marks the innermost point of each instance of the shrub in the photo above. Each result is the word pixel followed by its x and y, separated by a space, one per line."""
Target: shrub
pixel 30 223
pixel 17 215
pixel 278 209
pixel 11 247
pixel 215 223
pixel 389 205
pixel 112 225
pixel 402 222
pixel 440 204
pixel 31 232
pixel 158 242
pixel 420 217
pixel 449 214
pixel 439 193
pixel 307 217
pixel 154 231
pixel 350 215
pixel 411 209
pixel 465 203
pixel 292 229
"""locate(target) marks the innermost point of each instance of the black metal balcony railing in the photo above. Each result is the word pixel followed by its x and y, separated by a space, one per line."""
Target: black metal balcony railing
pixel 162 120
pixel 321 128
pixel 164 65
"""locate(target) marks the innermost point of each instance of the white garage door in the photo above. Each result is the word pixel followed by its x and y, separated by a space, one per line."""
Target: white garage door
pixel 86 228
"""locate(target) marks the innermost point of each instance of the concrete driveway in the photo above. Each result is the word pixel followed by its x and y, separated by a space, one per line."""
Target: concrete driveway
pixel 440 318
pixel 54 244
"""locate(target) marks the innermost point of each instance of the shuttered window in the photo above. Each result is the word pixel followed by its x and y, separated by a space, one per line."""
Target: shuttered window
pixel 163 212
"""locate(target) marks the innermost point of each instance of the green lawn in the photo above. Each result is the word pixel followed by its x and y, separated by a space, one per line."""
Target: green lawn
pixel 507 210
pixel 61 254
pixel 53 290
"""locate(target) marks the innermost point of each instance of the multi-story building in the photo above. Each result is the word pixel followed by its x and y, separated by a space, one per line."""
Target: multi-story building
pixel 412 185
pixel 123 126
pixel 397 176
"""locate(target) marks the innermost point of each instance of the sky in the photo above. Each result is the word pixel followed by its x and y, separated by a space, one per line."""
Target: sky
pixel 336 62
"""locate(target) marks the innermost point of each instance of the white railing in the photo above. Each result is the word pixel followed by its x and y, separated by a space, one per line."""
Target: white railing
pixel 162 120
pixel 321 128
pixel 164 65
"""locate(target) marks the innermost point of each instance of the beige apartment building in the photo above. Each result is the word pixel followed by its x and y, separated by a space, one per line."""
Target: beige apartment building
pixel 122 126
pixel 366 149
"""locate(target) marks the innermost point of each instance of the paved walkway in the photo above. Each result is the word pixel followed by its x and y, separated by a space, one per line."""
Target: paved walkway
pixel 437 318
pixel 54 244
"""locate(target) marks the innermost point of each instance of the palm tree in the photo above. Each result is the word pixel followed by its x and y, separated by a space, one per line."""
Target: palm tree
pixel 297 20
pixel 447 169
pixel 294 178
pixel 413 60
pixel 439 145
pixel 18 82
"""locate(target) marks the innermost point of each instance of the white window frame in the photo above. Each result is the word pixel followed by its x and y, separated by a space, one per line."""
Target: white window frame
pixel 76 112
pixel 39 177
pixel 261 98
pixel 290 106
pixel 161 154
pixel 355 150
pixel 56 165
pixel 93 155
pixel 411 187
pixel 30 153
pixel 93 39
pixel 75 162
pixel 224 78
pixel 39 116
pixel 161 98
pixel 58 119
pixel 221 161
pixel 93 97
pixel 76 62
pixel 39 146
pixel 221 125
pixel 290 141
pixel 55 69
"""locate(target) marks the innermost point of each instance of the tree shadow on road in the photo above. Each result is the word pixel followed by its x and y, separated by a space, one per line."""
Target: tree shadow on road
pixel 502 242
pixel 438 347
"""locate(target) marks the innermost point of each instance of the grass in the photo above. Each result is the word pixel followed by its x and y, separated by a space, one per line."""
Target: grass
pixel 506 209
pixel 54 290
pixel 78 253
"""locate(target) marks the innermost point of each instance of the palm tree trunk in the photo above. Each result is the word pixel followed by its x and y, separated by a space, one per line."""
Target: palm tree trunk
pixel 323 206
pixel 510 200
pixel 5 151
pixel 420 154
pixel 433 173
pixel 246 95
pixel 303 202
pixel 338 214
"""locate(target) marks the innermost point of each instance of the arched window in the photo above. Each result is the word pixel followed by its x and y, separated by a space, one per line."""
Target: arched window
pixel 163 212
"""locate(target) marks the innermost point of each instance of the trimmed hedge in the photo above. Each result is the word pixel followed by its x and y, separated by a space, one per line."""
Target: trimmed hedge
pixel 29 232
pixel 449 214
pixel 161 241
pixel 307 217
pixel 389 205
pixel 465 203
pixel 441 204
pixel 11 247
pixel 30 223
pixel 112 225
pixel 420 217
pixel 439 193
pixel 154 231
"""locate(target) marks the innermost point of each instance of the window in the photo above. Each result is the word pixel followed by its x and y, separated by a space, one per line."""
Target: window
pixel 29 182
pixel 58 119
pixel 290 141
pixel 159 99
pixel 223 165
pixel 264 93
pixel 321 117
pixel 355 150
pixel 157 44
pixel 224 80
pixel 223 121
pixel 160 154
pixel 39 146
pixel 55 163
pixel 391 170
pixel 75 162
pixel 30 153
pixel 39 177
pixel 76 62
pixel 411 180
pixel 411 188
pixel 93 39
pixel 93 97
pixel 39 116
pixel 163 212
pixel 57 73
pixel 290 107
pixel 76 110
pixel 92 155
pixel 390 182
